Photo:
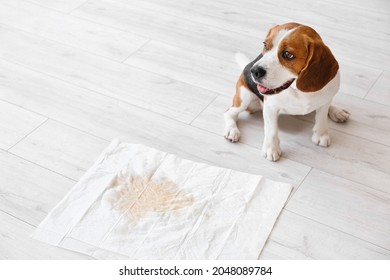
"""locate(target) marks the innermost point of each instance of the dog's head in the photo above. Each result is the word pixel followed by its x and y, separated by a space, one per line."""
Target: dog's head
pixel 293 52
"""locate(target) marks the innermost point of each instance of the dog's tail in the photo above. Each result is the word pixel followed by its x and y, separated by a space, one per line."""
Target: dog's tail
pixel 242 60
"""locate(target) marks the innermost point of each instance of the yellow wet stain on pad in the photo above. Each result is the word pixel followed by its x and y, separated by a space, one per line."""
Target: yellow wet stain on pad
pixel 135 196
pixel 137 202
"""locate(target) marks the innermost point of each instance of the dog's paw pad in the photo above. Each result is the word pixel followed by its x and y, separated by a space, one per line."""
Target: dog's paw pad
pixel 272 153
pixel 232 134
pixel 321 140
pixel 338 115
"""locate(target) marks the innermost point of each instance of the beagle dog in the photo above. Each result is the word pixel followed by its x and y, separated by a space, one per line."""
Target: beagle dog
pixel 295 74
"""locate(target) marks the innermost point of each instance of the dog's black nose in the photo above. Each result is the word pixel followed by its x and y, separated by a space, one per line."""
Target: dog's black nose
pixel 258 72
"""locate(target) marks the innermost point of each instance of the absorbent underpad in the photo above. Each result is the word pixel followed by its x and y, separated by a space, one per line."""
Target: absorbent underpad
pixel 137 202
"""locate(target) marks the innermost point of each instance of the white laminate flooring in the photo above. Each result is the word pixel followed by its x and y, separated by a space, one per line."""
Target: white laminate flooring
pixel 75 74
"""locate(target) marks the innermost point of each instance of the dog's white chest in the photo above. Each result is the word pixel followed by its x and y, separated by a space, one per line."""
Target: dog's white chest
pixel 293 102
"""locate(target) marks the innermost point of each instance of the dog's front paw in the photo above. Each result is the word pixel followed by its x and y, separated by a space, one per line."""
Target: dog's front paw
pixel 337 114
pixel 272 152
pixel 232 133
pixel 321 140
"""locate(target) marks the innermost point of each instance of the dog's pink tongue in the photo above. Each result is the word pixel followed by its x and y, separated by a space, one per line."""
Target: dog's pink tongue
pixel 262 88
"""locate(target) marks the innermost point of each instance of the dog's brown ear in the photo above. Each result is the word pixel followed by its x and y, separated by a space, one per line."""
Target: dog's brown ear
pixel 320 68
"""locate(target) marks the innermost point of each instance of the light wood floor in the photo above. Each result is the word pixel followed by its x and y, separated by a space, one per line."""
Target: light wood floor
pixel 74 74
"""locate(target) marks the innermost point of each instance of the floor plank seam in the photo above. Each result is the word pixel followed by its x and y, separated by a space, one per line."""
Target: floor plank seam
pixel 77 7
pixel 24 108
pixel 80 130
pixel 135 51
pixel 347 60
pixel 41 166
pixel 363 99
pixel 53 120
pixel 211 102
pixel 294 248
pixel 297 188
pixel 28 134
pixel 17 218
pixel 45 7
pixel 108 26
pixel 373 84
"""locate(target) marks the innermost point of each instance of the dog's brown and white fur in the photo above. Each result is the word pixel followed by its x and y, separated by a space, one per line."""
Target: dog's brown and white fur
pixel 295 74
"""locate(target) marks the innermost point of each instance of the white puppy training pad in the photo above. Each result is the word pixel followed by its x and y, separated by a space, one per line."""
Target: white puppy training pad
pixel 137 202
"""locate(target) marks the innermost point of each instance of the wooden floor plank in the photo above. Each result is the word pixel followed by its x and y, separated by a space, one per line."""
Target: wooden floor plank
pixel 69 30
pixel 186 34
pixel 140 88
pixel 344 205
pixel 195 69
pixel 297 237
pixel 357 79
pixel 380 91
pixel 69 152
pixel 28 191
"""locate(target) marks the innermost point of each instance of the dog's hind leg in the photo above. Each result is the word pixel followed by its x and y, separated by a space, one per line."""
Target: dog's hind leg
pixel 243 100
pixel 320 130
pixel 338 114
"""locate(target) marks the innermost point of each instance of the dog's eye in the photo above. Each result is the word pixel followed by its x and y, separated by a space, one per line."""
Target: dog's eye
pixel 287 55
pixel 265 45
